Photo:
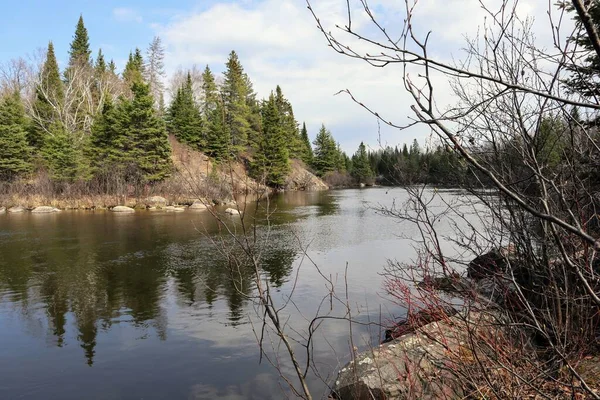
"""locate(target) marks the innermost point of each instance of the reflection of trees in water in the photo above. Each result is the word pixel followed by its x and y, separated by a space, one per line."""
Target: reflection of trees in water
pixel 113 276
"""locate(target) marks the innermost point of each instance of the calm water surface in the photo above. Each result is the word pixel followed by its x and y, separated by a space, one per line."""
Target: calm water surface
pixel 97 305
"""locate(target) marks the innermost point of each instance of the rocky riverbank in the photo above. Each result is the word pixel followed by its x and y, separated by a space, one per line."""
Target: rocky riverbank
pixel 468 339
pixel 195 177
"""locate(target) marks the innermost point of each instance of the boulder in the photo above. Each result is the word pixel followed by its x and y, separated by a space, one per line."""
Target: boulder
pixel 232 211
pixel 174 209
pixel 416 320
pixel 156 201
pixel 198 205
pixel 16 209
pixel 416 365
pixel 122 209
pixel 491 263
pixel 44 210
pixel 2 210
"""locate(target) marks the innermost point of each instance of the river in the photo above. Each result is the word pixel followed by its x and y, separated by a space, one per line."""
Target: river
pixel 97 305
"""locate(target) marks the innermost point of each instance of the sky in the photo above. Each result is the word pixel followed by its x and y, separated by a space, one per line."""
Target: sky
pixel 278 44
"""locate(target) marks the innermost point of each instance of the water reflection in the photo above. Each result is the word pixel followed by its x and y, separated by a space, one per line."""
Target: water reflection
pixel 100 269
pixel 153 296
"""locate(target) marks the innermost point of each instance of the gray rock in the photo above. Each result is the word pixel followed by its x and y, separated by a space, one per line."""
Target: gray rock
pixel 16 209
pixel 413 366
pixel 198 205
pixel 232 211
pixel 156 201
pixel 44 210
pixel 122 209
pixel 174 209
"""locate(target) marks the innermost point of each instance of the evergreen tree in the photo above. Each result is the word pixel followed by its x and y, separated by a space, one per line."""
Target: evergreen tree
pixel 307 153
pixel 147 134
pixel 209 90
pixel 185 120
pixel 271 161
pixel 49 98
pixel 288 124
pixel 218 139
pixel 80 46
pixel 134 69
pixel 235 92
pixel 585 73
pixel 112 67
pixel 60 154
pixel 14 150
pixel 325 153
pixel 100 66
pixel 361 167
pixel 107 147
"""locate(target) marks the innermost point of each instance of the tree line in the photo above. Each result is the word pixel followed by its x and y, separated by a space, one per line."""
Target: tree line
pixel 90 123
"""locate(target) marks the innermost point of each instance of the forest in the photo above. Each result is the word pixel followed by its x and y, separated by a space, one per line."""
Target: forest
pixel 91 126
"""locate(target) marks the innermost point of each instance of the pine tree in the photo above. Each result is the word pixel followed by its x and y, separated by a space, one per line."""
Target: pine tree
pixel 307 152
pixel 112 67
pixel 235 94
pixel 361 168
pixel 49 99
pixel 185 120
pixel 271 161
pixel 60 154
pixel 147 132
pixel 80 46
pixel 14 150
pixel 325 153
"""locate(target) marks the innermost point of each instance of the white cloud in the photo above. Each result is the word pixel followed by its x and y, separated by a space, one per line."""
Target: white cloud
pixel 278 43
pixel 125 14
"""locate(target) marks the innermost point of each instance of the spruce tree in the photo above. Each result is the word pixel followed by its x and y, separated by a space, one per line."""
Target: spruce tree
pixel 60 154
pixel 185 120
pixel 288 124
pixel 307 152
pixel 218 140
pixel 14 150
pixel 361 167
pixel 134 69
pixel 112 67
pixel 209 89
pixel 100 66
pixel 147 132
pixel 107 146
pixel 80 46
pixel 49 98
pixel 325 153
pixel 235 87
pixel 271 161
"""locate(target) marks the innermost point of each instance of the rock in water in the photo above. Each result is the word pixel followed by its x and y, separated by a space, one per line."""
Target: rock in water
pixel 156 201
pixel 44 210
pixel 232 211
pixel 174 209
pixel 122 209
pixel 16 209
pixel 198 205
pixel 2 210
